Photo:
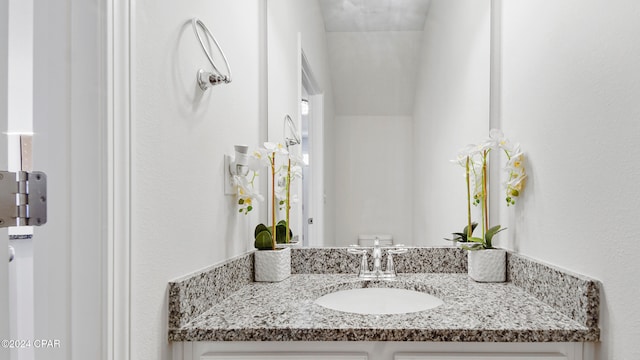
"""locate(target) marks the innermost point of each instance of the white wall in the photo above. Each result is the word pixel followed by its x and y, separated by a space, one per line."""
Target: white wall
pixel 570 89
pixel 374 72
pixel 374 186
pixel 374 78
pixel 181 220
pixel 291 24
pixel 451 110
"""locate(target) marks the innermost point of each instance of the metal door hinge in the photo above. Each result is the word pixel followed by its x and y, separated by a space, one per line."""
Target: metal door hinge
pixel 23 198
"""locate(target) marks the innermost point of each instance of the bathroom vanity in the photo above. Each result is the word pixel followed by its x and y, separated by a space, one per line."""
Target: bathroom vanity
pixel 540 313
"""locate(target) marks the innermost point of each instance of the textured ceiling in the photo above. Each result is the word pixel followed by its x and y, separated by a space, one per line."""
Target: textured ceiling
pixel 374 15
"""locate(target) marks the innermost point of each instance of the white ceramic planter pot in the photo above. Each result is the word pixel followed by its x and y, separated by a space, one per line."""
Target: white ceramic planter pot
pixel 489 265
pixel 272 265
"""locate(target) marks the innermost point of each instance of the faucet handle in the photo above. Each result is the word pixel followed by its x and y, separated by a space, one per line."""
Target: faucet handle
pixel 397 250
pixel 354 249
pixel 391 269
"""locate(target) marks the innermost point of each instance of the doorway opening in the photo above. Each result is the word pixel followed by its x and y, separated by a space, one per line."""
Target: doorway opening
pixel 312 125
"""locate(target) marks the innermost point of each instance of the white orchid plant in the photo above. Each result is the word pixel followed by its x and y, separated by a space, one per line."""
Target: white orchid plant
pixel 475 158
pixel 284 167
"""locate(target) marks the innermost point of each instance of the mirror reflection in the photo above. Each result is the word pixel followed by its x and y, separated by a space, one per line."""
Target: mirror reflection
pixel 384 93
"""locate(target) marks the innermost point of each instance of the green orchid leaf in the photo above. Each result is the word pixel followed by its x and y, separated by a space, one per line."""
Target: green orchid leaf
pixel 488 237
pixel 491 232
pixel 473 227
pixel 472 247
pixel 281 233
pixel 260 228
pixel 476 240
pixel 455 238
pixel 264 241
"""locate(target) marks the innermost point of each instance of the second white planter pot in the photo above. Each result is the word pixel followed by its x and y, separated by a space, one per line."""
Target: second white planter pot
pixel 488 265
pixel 272 265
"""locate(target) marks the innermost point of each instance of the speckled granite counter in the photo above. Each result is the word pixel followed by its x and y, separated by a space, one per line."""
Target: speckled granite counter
pixel 204 307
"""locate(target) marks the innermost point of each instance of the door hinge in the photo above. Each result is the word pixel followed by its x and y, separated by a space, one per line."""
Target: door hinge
pixel 23 198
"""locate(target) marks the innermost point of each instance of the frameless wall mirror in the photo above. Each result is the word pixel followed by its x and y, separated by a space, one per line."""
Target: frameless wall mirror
pixel 385 92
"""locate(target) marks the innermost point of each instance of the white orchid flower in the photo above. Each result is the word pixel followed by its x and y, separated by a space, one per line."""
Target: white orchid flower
pixel 497 140
pixel 296 172
pixel 517 182
pixel 514 189
pixel 468 151
pixel 517 177
pixel 475 159
pixel 281 193
pixel 295 158
pixel 277 148
pixel 516 164
pixel 259 159
pixel 247 196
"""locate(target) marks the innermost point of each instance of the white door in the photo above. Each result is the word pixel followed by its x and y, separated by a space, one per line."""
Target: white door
pixel 4 238
pixel 70 144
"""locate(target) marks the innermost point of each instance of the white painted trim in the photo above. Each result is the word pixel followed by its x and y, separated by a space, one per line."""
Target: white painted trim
pixel 495 70
pixel 119 177
pixel 4 237
pixel 487 356
pixel 285 356
pixel 495 97
pixel 386 350
pixel 263 132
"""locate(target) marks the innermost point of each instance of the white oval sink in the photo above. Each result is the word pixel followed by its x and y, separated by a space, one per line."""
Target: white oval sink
pixel 379 301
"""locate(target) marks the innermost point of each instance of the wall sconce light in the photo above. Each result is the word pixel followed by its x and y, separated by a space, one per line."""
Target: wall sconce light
pixel 235 166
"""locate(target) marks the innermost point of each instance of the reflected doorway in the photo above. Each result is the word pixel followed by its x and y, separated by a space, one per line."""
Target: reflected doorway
pixel 312 128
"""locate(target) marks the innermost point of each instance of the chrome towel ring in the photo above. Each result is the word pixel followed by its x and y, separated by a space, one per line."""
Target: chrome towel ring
pixel 293 137
pixel 207 79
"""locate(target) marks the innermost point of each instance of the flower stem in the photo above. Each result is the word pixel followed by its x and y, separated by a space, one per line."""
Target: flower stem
pixel 288 237
pixel 469 228
pixel 273 200
pixel 485 212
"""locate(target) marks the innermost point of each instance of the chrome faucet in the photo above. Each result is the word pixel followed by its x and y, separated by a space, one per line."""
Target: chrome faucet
pixel 377 272
pixel 377 257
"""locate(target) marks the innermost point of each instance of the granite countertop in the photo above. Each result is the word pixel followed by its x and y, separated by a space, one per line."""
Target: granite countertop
pixel 285 311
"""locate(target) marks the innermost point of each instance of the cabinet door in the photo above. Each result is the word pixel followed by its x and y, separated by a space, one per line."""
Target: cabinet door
pixel 284 356
pixel 477 356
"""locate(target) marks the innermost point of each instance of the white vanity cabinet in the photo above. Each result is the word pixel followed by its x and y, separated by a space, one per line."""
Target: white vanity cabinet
pixel 493 356
pixel 379 350
pixel 283 356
